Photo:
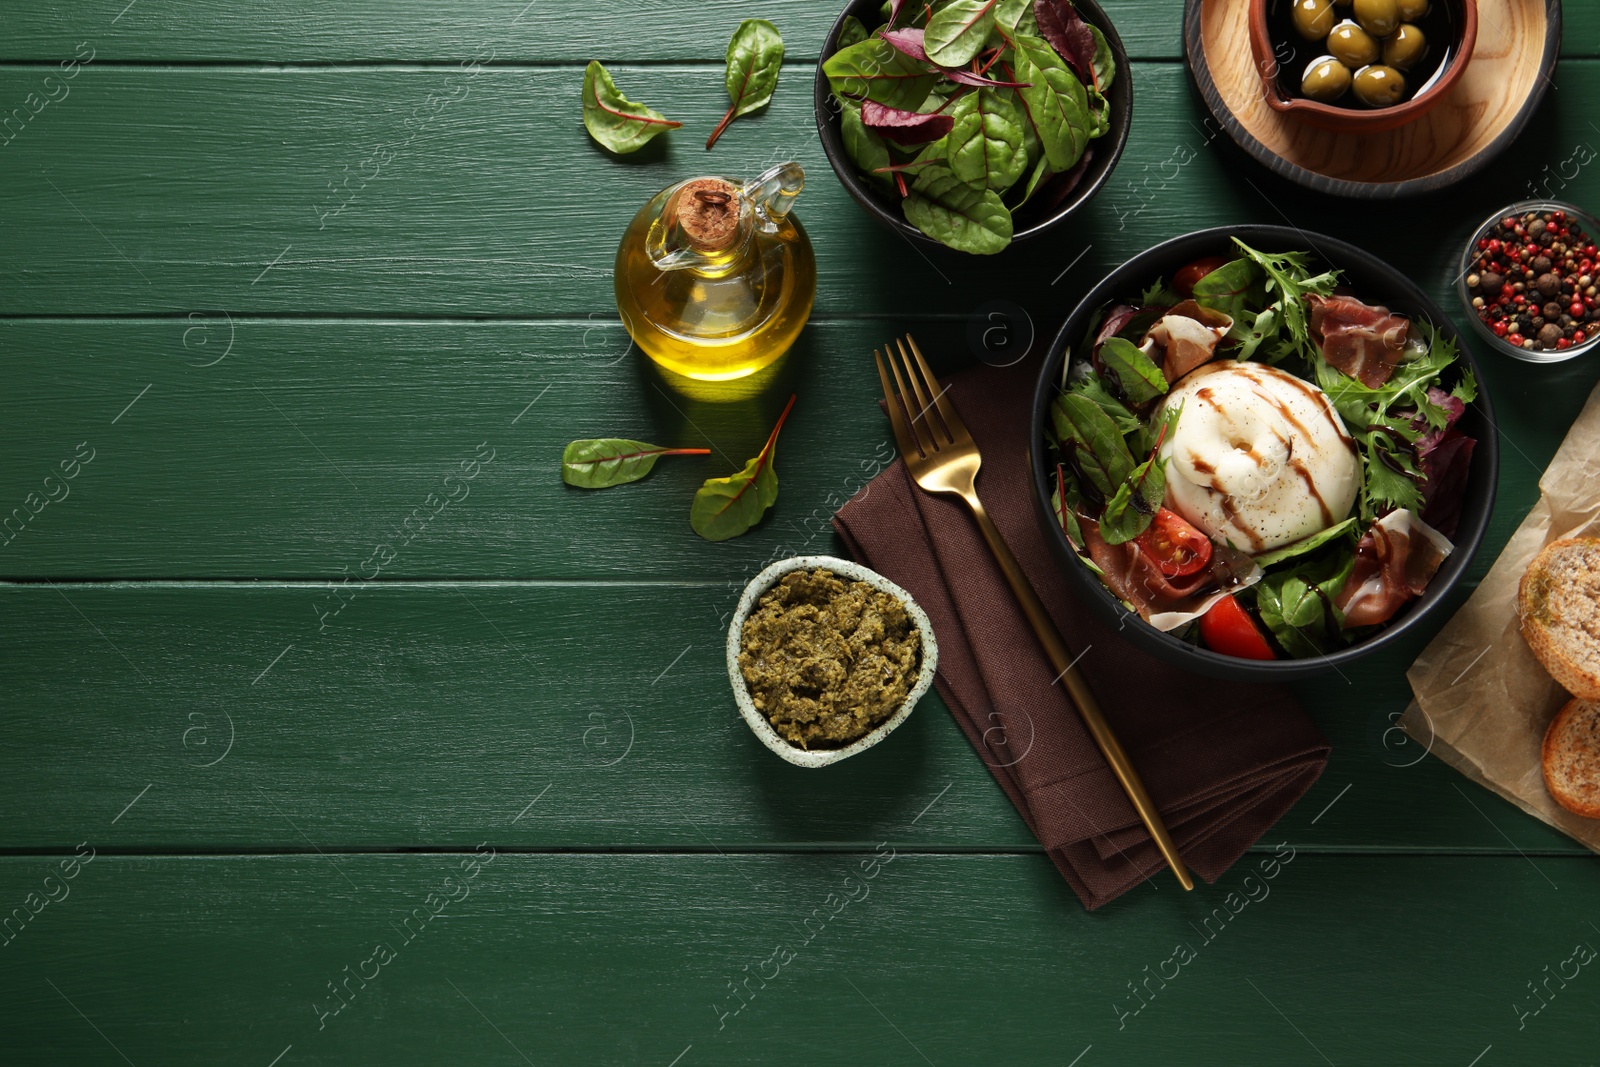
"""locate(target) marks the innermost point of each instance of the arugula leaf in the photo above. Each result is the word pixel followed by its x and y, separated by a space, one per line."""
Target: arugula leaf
pixel 1141 380
pixel 1288 275
pixel 952 212
pixel 1297 604
pixel 1389 471
pixel 957 31
pixel 1130 510
pixel 727 507
pixel 1055 99
pixel 603 462
pixel 1159 295
pixel 986 144
pixel 1090 439
pixel 755 56
pixel 852 32
pixel 877 70
pixel 612 119
pixel 1306 544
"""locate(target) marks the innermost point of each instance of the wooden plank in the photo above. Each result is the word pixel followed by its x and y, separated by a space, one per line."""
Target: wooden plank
pixel 169 191
pixel 367 31
pixel 429 715
pixel 318 439
pixel 629 960
pixel 302 31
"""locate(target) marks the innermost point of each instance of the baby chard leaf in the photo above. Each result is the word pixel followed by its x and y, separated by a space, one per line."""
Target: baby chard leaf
pixel 958 30
pixel 869 150
pixel 755 56
pixel 1056 102
pixel 1137 373
pixel 612 119
pixel 727 507
pixel 904 127
pixel 986 144
pixel 603 462
pixel 1130 509
pixel 1069 36
pixel 954 213
pixel 852 32
pixel 1104 66
pixel 877 70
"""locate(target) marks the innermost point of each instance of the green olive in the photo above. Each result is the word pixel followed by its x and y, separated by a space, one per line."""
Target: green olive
pixel 1351 45
pixel 1412 10
pixel 1326 79
pixel 1378 86
pixel 1313 18
pixel 1405 49
pixel 1378 17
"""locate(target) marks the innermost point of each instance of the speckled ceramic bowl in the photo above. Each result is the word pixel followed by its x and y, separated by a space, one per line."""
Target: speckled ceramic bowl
pixel 821 757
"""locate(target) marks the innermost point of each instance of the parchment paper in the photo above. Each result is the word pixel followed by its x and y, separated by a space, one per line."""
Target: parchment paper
pixel 1482 701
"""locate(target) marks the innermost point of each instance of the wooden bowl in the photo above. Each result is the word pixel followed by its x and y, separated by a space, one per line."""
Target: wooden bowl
pixel 1347 119
pixel 1493 99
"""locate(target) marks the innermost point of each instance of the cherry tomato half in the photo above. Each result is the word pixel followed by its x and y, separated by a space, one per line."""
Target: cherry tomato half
pixel 1227 628
pixel 1184 280
pixel 1177 548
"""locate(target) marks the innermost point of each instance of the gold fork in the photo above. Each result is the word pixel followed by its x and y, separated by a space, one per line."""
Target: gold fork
pixel 943 458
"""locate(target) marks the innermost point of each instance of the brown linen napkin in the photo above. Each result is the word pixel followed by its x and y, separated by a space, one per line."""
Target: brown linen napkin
pixel 1222 760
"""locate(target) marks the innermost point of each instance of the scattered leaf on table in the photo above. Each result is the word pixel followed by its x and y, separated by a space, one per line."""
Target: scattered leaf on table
pixel 755 56
pixel 612 119
pixel 727 507
pixel 603 462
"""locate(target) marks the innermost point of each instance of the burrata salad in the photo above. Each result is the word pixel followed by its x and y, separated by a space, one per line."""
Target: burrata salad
pixel 1253 458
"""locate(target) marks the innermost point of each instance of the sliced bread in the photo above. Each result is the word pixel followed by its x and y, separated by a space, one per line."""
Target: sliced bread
pixel 1559 600
pixel 1572 758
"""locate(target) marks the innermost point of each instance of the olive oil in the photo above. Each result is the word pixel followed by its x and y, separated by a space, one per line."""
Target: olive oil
pixel 714 279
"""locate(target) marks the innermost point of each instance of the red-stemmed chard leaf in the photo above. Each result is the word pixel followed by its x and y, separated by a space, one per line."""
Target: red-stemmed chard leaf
pixel 908 41
pixel 1060 24
pixel 904 127
pixel 728 507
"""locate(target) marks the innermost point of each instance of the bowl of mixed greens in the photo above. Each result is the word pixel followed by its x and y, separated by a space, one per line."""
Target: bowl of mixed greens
pixel 973 123
pixel 1262 453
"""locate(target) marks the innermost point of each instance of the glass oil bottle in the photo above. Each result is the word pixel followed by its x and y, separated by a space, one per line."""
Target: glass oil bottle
pixel 714 278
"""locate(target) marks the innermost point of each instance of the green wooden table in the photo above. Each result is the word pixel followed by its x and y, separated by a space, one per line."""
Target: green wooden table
pixel 513 760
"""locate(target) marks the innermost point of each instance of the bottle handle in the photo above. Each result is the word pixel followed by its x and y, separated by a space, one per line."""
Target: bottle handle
pixel 772 193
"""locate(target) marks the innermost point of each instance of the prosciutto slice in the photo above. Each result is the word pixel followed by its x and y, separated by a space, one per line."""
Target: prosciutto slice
pixel 1364 342
pixel 1166 603
pixel 1185 337
pixel 1395 560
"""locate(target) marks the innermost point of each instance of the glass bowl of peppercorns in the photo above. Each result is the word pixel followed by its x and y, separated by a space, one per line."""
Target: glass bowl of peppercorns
pixel 1529 277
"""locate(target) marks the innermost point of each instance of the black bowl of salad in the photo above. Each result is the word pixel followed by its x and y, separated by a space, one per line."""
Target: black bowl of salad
pixel 1266 446
pixel 973 125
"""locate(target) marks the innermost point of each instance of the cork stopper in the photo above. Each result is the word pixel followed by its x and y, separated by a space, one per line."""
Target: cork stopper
pixel 707 210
